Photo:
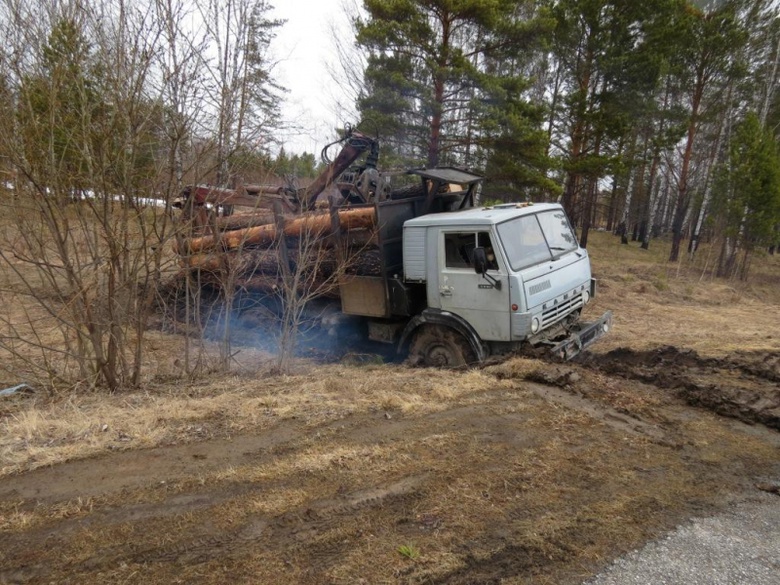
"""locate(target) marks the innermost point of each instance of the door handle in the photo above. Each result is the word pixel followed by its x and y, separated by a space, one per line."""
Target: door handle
pixel 445 292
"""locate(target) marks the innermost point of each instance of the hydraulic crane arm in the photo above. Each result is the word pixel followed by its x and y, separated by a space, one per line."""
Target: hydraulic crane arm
pixel 355 144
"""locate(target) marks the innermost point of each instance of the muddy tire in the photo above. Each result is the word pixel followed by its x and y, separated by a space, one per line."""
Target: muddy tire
pixel 440 347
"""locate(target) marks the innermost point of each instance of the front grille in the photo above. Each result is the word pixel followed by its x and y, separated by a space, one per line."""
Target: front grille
pixel 561 308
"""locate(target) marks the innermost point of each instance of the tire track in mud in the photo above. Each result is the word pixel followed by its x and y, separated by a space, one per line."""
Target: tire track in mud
pixel 667 368
pixel 744 386
pixel 293 528
pixel 310 529
pixel 104 474
pixel 303 528
pixel 611 417
pixel 160 466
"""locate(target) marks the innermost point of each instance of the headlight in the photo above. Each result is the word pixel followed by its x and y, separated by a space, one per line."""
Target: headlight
pixel 534 325
pixel 585 297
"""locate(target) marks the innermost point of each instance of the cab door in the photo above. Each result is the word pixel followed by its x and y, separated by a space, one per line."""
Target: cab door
pixel 470 295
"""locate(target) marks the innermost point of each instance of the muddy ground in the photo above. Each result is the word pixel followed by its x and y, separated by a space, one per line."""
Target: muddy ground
pixel 542 478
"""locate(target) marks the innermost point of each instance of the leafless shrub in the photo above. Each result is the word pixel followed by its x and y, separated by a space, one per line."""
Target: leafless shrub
pixel 107 109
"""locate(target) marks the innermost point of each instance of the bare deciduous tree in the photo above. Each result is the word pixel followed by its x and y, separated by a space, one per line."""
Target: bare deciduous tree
pixel 87 248
pixel 110 108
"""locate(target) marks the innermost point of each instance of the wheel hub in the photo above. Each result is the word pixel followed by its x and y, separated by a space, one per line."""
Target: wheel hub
pixel 441 355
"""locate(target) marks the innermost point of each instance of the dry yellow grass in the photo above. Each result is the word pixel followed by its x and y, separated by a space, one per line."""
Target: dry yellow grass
pixel 713 317
pixel 660 303
pixel 36 431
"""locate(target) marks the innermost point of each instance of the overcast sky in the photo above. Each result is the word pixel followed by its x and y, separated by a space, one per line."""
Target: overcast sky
pixel 304 47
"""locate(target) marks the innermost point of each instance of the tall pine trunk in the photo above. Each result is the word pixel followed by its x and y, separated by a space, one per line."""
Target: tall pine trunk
pixel 683 192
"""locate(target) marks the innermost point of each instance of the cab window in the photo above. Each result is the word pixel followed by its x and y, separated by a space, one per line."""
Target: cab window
pixel 459 249
pixel 557 231
pixel 524 242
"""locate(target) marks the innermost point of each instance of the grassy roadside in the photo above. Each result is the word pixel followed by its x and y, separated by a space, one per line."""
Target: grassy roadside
pixel 660 303
pixel 654 304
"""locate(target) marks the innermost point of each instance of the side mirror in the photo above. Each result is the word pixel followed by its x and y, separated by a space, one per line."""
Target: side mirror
pixel 481 267
pixel 480 260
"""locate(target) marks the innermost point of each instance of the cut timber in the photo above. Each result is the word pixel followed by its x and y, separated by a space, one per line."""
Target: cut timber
pixel 357 240
pixel 239 221
pixel 249 262
pixel 309 225
pixel 314 284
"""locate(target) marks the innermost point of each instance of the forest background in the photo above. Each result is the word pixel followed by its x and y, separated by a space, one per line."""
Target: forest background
pixel 652 119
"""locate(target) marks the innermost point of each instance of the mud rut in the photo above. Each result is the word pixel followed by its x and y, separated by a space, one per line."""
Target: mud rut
pixel 460 482
pixel 744 386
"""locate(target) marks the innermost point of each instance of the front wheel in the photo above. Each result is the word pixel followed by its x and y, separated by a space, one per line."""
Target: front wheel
pixel 441 347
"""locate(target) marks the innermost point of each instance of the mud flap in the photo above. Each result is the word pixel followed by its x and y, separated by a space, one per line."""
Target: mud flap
pixel 582 336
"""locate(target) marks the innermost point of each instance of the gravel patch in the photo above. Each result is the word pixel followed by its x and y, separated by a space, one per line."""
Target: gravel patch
pixel 739 547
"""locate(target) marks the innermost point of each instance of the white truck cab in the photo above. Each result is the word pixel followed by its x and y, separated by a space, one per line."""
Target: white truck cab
pixel 512 272
pixel 535 275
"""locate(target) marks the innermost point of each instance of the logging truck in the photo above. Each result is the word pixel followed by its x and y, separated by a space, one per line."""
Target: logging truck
pixel 413 260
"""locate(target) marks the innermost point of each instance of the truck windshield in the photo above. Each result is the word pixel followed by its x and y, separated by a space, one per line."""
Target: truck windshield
pixel 536 238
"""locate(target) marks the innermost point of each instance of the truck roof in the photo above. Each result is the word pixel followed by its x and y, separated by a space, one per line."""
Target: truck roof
pixel 491 215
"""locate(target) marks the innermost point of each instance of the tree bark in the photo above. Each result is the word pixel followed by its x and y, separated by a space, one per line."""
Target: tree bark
pixel 683 194
pixel 309 224
pixel 438 95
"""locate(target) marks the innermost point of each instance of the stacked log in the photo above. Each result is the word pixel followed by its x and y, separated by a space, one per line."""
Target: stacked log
pixel 257 251
pixel 364 262
pixel 309 225
pixel 239 221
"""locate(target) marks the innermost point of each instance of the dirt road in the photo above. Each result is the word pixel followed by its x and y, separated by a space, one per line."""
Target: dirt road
pixel 543 477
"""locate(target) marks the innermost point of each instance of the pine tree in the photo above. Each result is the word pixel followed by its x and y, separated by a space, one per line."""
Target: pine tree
pixel 607 53
pixel 747 205
pixel 58 106
pixel 436 79
pixel 708 43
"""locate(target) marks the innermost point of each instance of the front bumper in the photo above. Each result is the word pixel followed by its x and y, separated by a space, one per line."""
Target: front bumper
pixel 582 336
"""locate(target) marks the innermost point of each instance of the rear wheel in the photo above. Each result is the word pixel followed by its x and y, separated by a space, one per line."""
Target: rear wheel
pixel 439 346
